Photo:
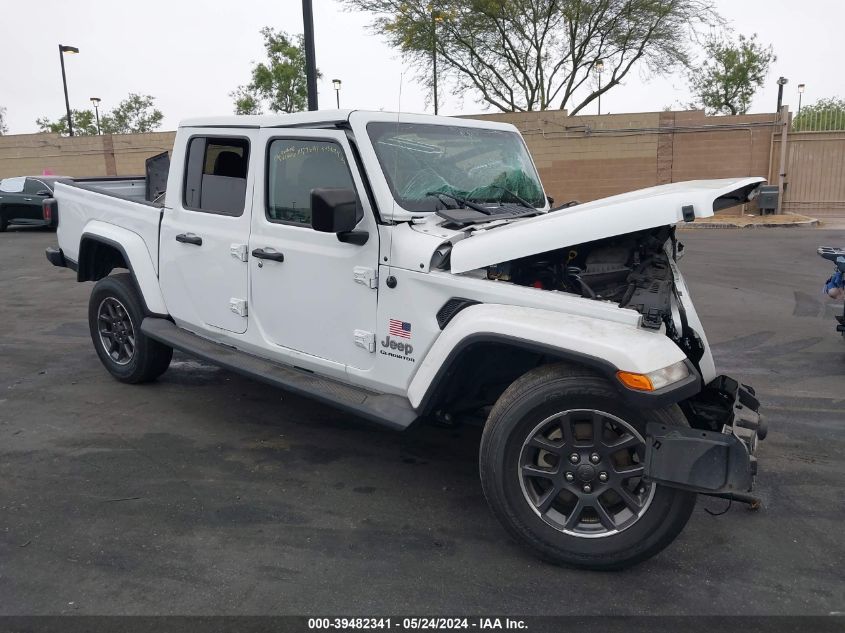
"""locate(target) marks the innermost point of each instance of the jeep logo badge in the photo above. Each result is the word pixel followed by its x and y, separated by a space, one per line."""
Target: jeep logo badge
pixel 405 348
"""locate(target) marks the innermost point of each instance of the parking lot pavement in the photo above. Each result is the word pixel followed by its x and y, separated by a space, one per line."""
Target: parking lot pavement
pixel 208 493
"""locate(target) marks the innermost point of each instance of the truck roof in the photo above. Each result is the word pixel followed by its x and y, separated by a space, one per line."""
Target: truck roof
pixel 270 120
pixel 321 118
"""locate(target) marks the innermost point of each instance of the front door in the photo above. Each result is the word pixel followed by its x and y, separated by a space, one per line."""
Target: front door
pixel 310 291
pixel 12 196
pixel 204 235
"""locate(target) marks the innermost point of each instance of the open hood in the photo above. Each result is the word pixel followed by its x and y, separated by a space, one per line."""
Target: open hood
pixel 617 215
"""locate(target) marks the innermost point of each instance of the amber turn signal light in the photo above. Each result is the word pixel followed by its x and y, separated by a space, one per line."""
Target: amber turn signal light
pixel 640 382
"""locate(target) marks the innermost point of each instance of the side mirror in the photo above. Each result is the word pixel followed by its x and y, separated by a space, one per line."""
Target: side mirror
pixel 337 211
pixel 44 192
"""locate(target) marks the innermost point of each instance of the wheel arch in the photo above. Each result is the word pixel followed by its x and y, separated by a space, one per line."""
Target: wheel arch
pixel 100 252
pixel 498 344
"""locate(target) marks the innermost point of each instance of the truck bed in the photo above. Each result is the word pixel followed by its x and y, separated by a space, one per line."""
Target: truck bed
pixel 118 202
pixel 129 188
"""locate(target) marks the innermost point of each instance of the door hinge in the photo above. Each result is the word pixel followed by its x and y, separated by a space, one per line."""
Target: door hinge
pixel 365 339
pixel 365 276
pixel 238 306
pixel 238 251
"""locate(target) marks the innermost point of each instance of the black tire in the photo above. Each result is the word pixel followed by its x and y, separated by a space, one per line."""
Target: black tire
pixel 148 358
pixel 507 442
pixel 4 224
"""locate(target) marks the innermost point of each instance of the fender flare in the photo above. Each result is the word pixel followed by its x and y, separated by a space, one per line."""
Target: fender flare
pixel 135 254
pixel 603 346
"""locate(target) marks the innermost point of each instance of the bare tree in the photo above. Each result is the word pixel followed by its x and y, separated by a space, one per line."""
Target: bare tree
pixel 518 55
pixel 4 129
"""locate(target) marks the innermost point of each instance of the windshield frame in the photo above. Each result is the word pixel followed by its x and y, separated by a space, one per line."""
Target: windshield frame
pixel 399 203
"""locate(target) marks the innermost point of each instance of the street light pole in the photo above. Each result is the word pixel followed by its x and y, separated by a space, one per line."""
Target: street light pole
pixel 336 85
pixel 96 102
pixel 599 68
pixel 62 50
pixel 782 81
pixel 800 95
pixel 310 56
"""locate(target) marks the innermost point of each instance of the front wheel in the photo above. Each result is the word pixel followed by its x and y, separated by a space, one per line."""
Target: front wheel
pixel 561 465
pixel 115 313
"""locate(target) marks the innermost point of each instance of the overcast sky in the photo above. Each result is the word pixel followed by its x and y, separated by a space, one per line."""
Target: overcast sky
pixel 190 55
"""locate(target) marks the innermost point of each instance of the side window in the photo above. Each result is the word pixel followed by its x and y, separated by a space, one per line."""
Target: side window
pixel 295 167
pixel 12 185
pixel 33 186
pixel 215 175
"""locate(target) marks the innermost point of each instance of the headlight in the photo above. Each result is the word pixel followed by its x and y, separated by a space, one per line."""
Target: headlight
pixel 656 379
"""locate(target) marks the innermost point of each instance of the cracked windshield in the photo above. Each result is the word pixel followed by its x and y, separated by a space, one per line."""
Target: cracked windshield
pixel 483 166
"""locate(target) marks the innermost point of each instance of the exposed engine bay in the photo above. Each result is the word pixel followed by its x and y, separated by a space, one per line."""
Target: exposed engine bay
pixel 632 270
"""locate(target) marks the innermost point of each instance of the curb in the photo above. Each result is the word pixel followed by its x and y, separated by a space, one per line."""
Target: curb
pixel 762 225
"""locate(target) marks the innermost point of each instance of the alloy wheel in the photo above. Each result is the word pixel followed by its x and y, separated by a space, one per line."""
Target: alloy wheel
pixel 117 333
pixel 581 471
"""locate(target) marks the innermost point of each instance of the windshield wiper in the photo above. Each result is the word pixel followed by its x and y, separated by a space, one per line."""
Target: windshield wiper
pixel 516 197
pixel 469 204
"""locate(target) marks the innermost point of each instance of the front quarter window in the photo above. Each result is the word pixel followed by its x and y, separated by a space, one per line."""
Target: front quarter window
pixel 479 164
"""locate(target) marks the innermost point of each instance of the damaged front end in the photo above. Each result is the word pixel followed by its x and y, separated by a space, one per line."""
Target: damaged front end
pixel 635 271
pixel 716 456
pixel 638 271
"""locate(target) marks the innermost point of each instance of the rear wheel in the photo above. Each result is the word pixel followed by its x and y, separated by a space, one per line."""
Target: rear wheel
pixel 561 465
pixel 4 224
pixel 115 313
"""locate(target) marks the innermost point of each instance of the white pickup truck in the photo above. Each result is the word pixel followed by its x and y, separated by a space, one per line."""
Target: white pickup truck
pixel 409 267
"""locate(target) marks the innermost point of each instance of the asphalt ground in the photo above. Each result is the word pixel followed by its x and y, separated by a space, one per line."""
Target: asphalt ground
pixel 207 493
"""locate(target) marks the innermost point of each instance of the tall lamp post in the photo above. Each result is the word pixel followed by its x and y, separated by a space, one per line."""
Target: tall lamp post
pixel 800 95
pixel 96 102
pixel 310 55
pixel 336 85
pixel 598 67
pixel 783 117
pixel 62 50
pixel 782 81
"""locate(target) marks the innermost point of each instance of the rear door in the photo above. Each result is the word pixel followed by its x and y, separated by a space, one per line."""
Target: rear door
pixel 310 291
pixel 204 234
pixel 34 192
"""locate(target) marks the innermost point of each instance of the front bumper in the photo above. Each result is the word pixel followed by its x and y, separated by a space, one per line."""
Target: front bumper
pixel 717 454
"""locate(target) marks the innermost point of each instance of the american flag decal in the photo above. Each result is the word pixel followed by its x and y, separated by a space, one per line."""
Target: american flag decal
pixel 402 329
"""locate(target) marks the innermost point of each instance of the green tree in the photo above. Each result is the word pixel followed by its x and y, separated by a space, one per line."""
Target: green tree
pixel 246 102
pixel 4 129
pixel 730 74
pixel 134 115
pixel 518 55
pixel 279 83
pixel 823 115
pixel 84 124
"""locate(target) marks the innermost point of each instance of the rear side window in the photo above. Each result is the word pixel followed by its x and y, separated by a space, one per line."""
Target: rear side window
pixel 12 185
pixel 295 167
pixel 215 175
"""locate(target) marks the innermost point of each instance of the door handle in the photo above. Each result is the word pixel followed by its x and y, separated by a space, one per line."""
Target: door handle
pixel 27 199
pixel 189 238
pixel 260 253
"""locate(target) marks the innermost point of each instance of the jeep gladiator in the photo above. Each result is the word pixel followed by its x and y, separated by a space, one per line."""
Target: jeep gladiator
pixel 409 267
